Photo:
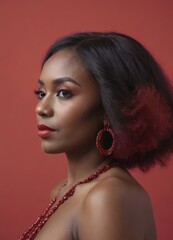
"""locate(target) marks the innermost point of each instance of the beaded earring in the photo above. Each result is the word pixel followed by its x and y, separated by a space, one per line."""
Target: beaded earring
pixel 106 129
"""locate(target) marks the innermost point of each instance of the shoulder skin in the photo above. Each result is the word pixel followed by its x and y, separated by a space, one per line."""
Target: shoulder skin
pixel 116 209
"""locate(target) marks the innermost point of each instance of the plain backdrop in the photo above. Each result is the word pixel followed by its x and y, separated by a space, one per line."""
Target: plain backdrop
pixel 27 28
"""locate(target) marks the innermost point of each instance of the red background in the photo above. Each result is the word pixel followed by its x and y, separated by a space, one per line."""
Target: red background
pixel 27 28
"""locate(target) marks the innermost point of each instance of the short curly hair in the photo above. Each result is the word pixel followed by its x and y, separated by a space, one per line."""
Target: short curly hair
pixel 135 93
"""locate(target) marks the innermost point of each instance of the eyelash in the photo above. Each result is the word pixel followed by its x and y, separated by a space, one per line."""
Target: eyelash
pixel 38 92
pixel 41 94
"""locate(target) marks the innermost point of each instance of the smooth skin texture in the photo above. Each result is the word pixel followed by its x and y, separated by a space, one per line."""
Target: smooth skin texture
pixel 113 206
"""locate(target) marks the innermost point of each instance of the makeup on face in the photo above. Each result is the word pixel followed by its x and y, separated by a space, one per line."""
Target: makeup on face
pixel 44 131
pixel 68 103
pixel 65 88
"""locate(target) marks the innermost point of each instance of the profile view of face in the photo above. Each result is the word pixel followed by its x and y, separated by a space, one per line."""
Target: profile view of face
pixel 69 104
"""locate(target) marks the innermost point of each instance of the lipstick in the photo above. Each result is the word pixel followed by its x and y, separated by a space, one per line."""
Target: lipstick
pixel 44 131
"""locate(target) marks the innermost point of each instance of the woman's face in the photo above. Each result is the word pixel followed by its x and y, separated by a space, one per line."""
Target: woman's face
pixel 69 103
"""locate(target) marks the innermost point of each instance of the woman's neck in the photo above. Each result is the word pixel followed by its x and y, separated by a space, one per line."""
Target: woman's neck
pixel 82 165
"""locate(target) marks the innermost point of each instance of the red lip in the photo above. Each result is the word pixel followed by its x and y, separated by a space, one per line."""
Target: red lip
pixel 43 127
pixel 44 131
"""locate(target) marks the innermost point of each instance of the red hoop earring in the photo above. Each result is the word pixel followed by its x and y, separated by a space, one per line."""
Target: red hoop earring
pixel 106 128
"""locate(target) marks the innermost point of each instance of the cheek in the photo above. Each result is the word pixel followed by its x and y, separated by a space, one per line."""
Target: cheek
pixel 82 116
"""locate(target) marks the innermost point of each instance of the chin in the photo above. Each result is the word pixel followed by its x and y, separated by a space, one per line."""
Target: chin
pixel 50 149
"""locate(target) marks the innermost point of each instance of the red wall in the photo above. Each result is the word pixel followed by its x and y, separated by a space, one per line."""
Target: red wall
pixel 27 28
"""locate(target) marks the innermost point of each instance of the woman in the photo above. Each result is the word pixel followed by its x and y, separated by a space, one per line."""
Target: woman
pixel 105 103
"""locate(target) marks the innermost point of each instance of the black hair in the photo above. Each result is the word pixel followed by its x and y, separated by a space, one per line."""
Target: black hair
pixel 135 93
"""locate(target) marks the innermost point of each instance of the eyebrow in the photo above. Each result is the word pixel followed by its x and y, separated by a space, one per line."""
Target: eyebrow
pixel 58 81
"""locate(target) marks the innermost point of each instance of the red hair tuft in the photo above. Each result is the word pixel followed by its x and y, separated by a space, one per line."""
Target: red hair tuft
pixel 149 125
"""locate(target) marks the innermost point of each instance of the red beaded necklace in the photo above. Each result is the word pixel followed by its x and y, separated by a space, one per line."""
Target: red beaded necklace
pixel 53 206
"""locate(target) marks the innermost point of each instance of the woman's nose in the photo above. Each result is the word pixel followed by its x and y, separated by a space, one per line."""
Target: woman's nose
pixel 44 109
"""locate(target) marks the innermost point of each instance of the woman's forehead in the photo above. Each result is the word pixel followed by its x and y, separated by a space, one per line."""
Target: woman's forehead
pixel 65 63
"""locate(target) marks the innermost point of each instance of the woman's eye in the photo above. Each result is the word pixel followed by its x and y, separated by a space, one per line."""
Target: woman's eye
pixel 40 94
pixel 64 94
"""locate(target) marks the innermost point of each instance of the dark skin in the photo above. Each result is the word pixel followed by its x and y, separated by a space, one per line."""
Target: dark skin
pixel 113 206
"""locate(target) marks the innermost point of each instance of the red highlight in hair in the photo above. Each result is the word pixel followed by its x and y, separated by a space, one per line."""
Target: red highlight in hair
pixel 149 132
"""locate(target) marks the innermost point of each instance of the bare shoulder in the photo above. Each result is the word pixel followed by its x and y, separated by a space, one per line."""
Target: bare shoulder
pixel 120 188
pixel 118 203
